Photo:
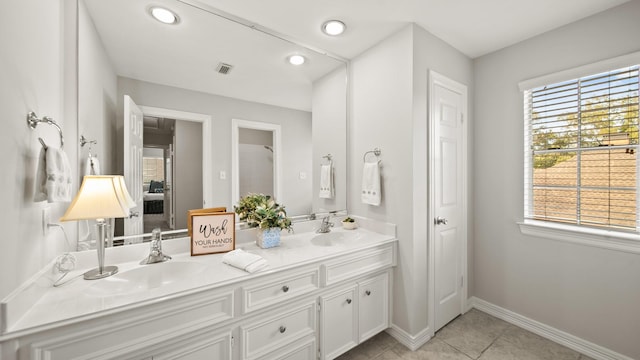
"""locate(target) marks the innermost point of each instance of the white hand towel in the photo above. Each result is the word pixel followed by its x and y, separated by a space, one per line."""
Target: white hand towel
pixel 58 176
pixel 92 166
pixel 41 177
pixel 246 261
pixel 53 177
pixel 371 184
pixel 326 182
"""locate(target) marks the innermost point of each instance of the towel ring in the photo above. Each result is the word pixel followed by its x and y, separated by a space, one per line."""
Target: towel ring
pixel 33 121
pixel 375 152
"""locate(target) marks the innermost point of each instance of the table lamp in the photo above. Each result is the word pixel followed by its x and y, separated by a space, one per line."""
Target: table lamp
pixel 100 198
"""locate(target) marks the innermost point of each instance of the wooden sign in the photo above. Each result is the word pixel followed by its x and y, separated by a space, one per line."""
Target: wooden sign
pixel 190 213
pixel 212 233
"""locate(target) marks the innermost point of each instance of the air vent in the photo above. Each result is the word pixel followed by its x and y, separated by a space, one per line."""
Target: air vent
pixel 223 68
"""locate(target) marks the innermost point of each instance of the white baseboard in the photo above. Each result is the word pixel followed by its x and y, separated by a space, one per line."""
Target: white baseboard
pixel 590 349
pixel 410 341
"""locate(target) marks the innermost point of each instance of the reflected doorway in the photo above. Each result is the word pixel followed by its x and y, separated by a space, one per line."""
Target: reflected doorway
pixel 256 164
pixel 172 171
pixel 255 161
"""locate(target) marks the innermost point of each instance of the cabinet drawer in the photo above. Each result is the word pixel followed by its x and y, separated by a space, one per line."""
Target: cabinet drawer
pixel 301 350
pixel 359 264
pixel 268 293
pixel 268 334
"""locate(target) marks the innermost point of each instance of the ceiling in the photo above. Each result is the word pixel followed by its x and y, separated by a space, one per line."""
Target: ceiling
pixel 186 55
pixel 475 27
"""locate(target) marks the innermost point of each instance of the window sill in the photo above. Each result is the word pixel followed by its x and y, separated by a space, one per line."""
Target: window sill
pixel 611 240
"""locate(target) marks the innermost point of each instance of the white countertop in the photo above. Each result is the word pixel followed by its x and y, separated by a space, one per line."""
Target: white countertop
pixel 82 299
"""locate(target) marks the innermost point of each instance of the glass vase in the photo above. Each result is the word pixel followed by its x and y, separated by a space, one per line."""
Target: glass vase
pixel 269 238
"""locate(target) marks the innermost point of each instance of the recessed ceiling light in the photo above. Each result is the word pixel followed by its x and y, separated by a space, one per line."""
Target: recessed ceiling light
pixel 164 15
pixel 296 59
pixel 333 27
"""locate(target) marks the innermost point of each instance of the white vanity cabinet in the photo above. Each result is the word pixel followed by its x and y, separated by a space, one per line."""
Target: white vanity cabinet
pixel 353 314
pixel 303 311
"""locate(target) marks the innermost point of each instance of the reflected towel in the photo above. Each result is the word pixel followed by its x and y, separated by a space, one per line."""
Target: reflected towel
pixel 53 177
pixel 371 184
pixel 91 166
pixel 246 261
pixel 326 182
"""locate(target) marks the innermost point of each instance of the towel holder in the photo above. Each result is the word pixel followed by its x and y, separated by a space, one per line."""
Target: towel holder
pixel 33 121
pixel 375 152
pixel 84 141
pixel 329 158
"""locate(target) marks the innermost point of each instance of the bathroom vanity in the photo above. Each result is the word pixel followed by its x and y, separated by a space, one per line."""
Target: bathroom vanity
pixel 322 295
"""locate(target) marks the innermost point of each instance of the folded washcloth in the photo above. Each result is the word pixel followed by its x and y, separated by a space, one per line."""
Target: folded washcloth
pixel 246 261
pixel 326 181
pixel 53 177
pixel 371 184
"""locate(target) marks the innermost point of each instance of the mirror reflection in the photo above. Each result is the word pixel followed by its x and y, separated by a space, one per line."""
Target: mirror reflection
pixel 206 71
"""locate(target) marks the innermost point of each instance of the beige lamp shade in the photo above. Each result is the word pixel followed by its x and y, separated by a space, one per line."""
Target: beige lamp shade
pixel 99 197
pixel 123 189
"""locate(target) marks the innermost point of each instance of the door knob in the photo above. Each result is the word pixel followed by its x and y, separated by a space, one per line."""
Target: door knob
pixel 441 220
pixel 133 214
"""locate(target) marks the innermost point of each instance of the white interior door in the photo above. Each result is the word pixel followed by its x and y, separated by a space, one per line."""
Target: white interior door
pixel 133 145
pixel 449 222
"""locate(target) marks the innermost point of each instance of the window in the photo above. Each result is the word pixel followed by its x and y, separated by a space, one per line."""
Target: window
pixel 581 151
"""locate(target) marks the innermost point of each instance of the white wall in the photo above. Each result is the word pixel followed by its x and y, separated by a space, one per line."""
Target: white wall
pixel 589 292
pixel 330 137
pixel 97 83
pixel 37 72
pixel 296 135
pixel 389 111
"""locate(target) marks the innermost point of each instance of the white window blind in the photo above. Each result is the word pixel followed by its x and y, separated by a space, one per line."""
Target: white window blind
pixel 581 146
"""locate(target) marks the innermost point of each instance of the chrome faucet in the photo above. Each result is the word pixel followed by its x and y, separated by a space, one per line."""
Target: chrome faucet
pixel 155 250
pixel 325 226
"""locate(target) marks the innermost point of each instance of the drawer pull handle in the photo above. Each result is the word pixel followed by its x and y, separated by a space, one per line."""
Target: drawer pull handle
pixel 283 329
pixel 368 292
pixel 285 288
pixel 348 301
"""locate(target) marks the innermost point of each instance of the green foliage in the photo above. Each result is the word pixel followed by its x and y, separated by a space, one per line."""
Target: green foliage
pixel 348 219
pixel 259 210
pixel 596 121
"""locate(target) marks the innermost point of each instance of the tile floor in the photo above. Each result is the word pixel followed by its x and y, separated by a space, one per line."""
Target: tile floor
pixel 474 335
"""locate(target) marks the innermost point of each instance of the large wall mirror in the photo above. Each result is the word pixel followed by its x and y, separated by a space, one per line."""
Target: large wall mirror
pixel 188 82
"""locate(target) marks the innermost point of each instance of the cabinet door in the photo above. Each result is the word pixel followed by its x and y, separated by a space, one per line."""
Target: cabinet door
pixel 373 306
pixel 339 322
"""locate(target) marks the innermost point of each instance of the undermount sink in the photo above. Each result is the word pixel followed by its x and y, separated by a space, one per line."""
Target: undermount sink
pixel 333 238
pixel 145 278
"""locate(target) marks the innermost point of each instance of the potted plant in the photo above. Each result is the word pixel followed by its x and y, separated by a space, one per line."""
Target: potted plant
pixel 261 211
pixel 349 224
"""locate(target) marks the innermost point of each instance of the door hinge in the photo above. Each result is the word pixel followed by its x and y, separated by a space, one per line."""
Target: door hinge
pixel 233 341
pixel 319 306
pixel 319 356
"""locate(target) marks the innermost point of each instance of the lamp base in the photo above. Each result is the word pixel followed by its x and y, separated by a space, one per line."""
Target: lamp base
pixel 96 274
